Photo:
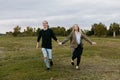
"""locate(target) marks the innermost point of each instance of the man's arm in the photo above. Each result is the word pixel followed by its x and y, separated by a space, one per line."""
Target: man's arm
pixel 38 39
pixel 54 36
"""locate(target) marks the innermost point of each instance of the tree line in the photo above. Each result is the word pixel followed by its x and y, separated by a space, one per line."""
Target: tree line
pixel 101 30
pixel 97 29
pixel 30 31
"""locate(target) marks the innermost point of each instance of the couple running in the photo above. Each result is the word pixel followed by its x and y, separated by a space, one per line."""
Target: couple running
pixel 75 38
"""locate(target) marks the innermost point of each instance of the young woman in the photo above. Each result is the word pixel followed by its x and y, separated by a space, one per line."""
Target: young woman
pixel 75 38
pixel 46 34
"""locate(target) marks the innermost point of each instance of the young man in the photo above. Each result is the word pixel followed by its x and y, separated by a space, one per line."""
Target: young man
pixel 46 34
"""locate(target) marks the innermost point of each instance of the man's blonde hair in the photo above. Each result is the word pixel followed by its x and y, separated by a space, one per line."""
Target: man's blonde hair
pixel 45 21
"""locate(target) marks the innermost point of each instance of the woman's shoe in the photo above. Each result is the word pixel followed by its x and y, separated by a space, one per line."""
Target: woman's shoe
pixel 72 62
pixel 77 67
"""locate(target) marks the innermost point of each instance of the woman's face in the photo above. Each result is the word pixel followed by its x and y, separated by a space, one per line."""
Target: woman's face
pixel 76 28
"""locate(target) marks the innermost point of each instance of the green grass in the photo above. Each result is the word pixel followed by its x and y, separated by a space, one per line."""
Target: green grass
pixel 19 60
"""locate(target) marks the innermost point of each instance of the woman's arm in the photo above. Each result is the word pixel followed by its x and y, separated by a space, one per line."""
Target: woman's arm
pixel 67 38
pixel 87 39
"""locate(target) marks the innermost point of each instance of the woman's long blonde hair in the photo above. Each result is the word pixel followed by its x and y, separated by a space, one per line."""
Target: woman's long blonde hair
pixel 73 30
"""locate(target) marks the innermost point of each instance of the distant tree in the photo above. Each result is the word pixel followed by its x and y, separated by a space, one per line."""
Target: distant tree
pixel 29 31
pixel 99 29
pixel 59 31
pixel 68 31
pixel 63 31
pixel 9 33
pixel 37 31
pixel 89 33
pixel 114 29
pixel 16 31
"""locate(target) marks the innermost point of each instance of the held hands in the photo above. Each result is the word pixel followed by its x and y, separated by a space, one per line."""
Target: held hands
pixel 93 43
pixel 60 43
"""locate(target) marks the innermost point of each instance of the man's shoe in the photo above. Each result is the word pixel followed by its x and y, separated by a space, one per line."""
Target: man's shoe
pixel 48 69
pixel 51 63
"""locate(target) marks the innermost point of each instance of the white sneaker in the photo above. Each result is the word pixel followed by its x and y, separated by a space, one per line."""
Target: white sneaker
pixel 77 67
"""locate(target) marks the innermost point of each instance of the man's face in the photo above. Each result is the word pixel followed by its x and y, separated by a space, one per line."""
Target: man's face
pixel 45 24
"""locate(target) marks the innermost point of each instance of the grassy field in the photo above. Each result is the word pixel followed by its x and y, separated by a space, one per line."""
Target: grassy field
pixel 19 60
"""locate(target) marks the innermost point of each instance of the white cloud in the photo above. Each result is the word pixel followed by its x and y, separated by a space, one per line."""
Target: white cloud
pixel 57 12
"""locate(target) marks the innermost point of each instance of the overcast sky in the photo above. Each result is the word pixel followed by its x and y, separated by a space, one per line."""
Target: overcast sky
pixel 57 13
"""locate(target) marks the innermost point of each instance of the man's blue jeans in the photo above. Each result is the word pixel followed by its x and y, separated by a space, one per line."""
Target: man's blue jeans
pixel 47 53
